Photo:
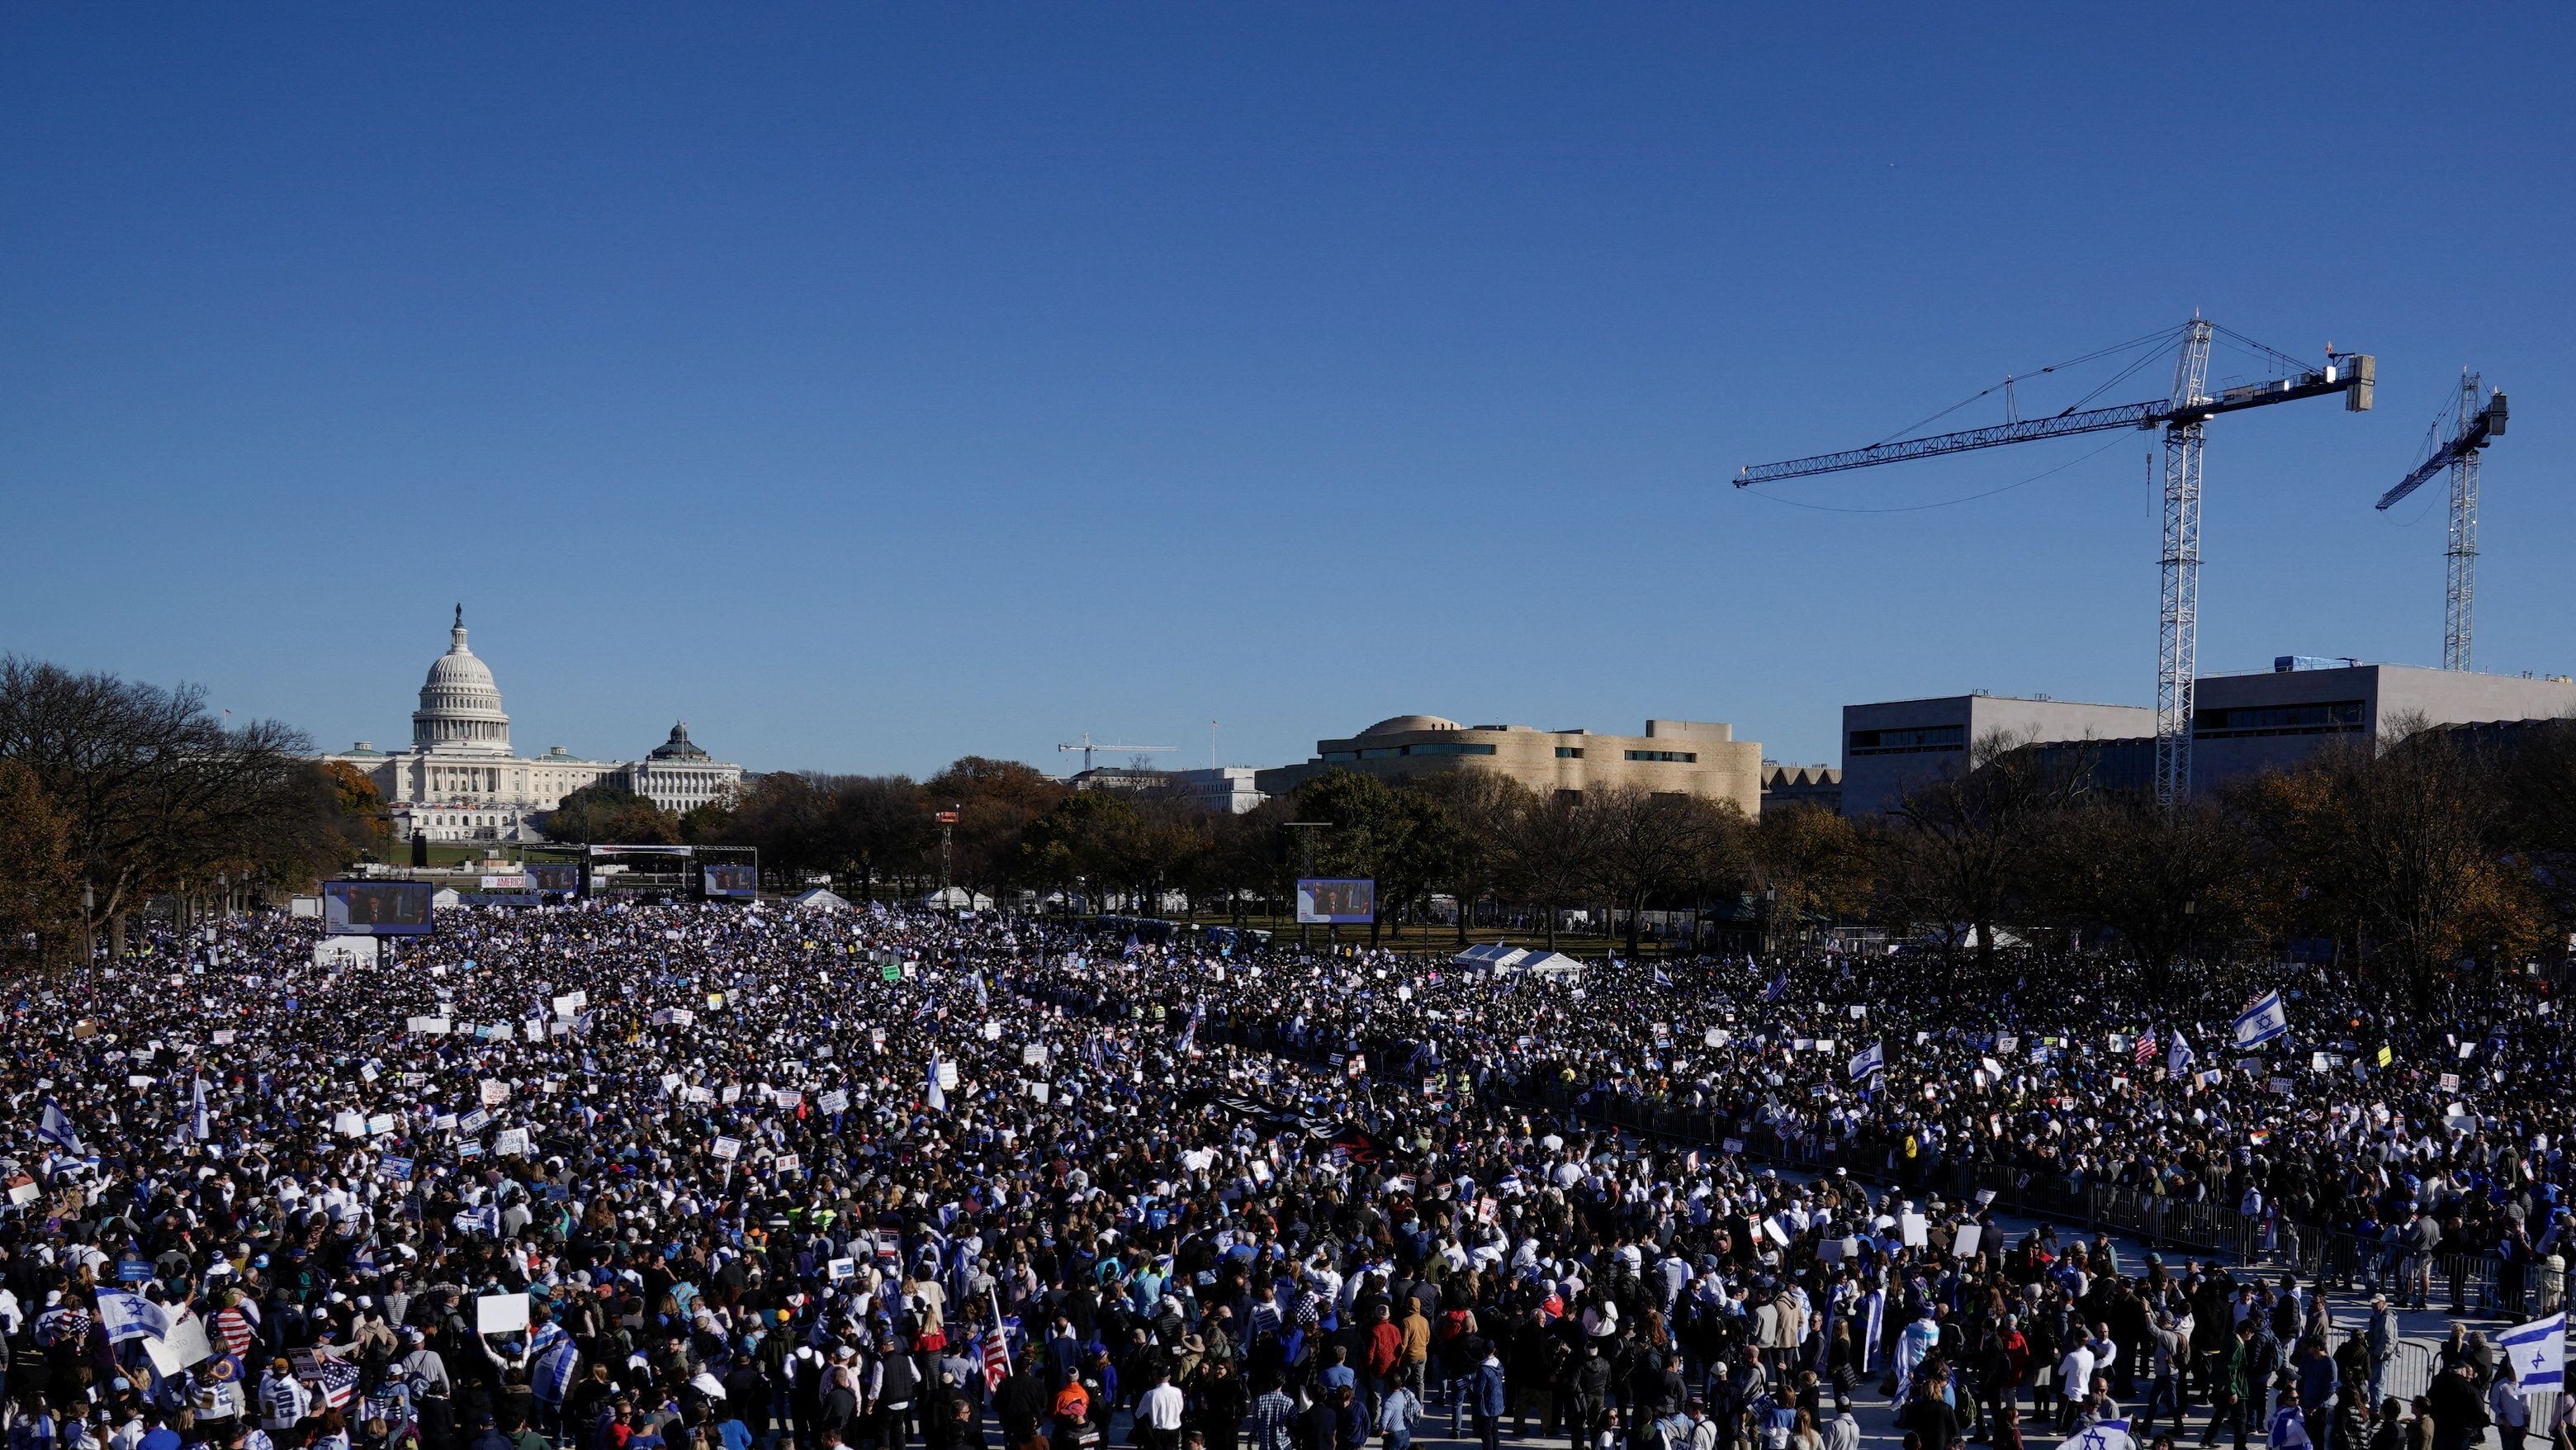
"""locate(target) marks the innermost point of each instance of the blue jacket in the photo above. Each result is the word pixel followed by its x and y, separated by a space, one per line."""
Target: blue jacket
pixel 1489 1389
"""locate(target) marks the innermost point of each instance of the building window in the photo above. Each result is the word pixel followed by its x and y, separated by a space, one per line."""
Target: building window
pixel 1340 757
pixel 1569 752
pixel 1448 748
pixel 1381 752
pixel 1673 757
pixel 2324 718
pixel 1908 742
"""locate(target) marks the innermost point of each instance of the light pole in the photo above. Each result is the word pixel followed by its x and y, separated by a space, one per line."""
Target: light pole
pixel 1308 839
pixel 947 830
pixel 89 932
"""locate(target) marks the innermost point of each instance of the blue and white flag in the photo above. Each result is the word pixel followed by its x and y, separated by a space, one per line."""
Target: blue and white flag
pixel 1779 987
pixel 1870 1059
pixel 131 1316
pixel 56 1129
pixel 1190 1032
pixel 199 1119
pixel 2179 1057
pixel 2539 1352
pixel 1662 977
pixel 2263 1021
pixel 982 997
pixel 937 1099
pixel 550 1378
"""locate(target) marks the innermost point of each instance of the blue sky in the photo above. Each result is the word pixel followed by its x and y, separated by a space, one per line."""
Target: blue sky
pixel 873 385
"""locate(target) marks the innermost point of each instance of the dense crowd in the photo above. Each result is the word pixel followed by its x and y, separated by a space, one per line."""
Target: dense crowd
pixel 625 1177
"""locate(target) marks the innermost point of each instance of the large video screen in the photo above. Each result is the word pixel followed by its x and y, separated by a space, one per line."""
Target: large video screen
pixel 555 876
pixel 376 908
pixel 733 881
pixel 1337 902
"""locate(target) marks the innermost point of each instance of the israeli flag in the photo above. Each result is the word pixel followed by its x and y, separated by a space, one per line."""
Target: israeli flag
pixel 131 1316
pixel 1779 987
pixel 56 1129
pixel 2539 1352
pixel 2262 1022
pixel 1872 1058
pixel 2179 1057
pixel 1663 978
pixel 937 1099
pixel 198 1117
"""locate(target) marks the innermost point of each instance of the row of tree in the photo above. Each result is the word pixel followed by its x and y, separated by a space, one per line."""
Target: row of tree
pixel 2407 856
pixel 115 794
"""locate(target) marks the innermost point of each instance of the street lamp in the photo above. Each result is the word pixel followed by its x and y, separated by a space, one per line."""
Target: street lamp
pixel 1309 827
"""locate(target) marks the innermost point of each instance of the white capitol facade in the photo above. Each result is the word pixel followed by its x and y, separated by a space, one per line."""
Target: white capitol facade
pixel 460 781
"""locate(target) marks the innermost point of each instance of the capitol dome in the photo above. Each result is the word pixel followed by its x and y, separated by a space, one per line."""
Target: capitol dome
pixel 460 705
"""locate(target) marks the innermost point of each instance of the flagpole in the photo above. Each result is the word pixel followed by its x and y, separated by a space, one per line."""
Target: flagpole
pixel 995 1291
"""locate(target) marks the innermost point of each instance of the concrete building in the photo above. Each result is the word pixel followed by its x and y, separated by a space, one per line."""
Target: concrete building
pixel 2242 724
pixel 1892 747
pixel 1820 786
pixel 1682 757
pixel 461 781
pixel 1218 790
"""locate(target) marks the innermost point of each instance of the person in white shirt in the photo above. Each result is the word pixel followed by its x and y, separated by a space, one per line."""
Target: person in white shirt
pixel 1158 1415
pixel 2075 1376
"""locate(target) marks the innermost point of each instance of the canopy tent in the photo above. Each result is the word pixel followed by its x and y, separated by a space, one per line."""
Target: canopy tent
pixel 1492 957
pixel 1549 964
pixel 820 900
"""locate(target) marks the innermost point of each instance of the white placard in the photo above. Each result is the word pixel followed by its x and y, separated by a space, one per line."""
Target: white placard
pixel 500 1313
pixel 1914 1229
pixel 1969 1236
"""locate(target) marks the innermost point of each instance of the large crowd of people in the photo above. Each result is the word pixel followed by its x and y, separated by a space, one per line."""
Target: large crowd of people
pixel 621 1176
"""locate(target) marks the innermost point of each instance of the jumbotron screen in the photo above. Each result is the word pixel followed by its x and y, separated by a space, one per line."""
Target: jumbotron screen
pixel 1337 902
pixel 555 876
pixel 733 881
pixel 376 908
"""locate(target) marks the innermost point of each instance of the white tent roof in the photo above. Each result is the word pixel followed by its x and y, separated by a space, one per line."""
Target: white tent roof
pixel 1494 956
pixel 820 900
pixel 1549 964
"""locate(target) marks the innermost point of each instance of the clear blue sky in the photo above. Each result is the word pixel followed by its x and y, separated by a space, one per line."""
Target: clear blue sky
pixel 872 384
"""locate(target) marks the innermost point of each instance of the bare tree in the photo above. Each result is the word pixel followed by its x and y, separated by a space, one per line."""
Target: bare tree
pixel 1964 845
pixel 158 794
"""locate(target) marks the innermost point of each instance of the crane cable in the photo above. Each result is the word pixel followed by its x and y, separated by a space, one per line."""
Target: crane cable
pixel 2160 335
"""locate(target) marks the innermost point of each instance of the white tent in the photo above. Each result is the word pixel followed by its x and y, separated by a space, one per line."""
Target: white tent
pixel 1549 964
pixel 445 896
pixel 1492 957
pixel 819 899
pixel 956 898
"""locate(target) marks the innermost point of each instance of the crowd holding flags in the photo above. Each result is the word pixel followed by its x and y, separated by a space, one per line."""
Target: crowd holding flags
pixel 2145 1051
pixel 2179 1057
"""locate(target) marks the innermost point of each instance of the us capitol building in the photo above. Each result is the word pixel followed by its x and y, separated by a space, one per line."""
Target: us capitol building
pixel 460 780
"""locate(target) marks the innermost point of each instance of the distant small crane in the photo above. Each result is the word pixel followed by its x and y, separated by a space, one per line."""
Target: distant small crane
pixel 2473 427
pixel 1087 745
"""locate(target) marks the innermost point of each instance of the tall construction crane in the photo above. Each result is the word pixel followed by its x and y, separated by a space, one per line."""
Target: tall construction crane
pixel 2473 428
pixel 2183 416
pixel 1087 745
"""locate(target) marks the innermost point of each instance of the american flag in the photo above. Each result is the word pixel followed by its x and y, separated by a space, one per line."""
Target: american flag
pixel 2146 1053
pixel 337 1382
pixel 997 1361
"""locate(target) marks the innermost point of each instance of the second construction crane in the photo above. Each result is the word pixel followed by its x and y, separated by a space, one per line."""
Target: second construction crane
pixel 2473 428
pixel 1087 745
pixel 2182 415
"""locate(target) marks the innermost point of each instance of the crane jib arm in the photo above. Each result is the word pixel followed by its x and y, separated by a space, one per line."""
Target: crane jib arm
pixel 2353 375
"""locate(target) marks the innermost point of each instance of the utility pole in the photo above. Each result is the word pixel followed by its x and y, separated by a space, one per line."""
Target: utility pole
pixel 1308 829
pixel 947 831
